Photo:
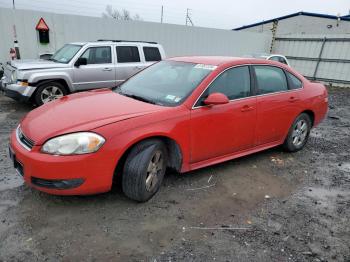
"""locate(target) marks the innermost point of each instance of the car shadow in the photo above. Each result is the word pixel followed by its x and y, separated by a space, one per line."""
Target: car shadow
pixel 171 179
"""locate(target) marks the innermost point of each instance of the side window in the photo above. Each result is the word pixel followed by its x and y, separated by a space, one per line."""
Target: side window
pixel 270 79
pixel 282 60
pixel 234 83
pixel 128 54
pixel 151 54
pixel 98 55
pixel 274 58
pixel 278 59
pixel 294 82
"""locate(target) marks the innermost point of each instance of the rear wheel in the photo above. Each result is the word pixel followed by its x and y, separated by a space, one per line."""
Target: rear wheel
pixel 144 170
pixel 48 92
pixel 298 133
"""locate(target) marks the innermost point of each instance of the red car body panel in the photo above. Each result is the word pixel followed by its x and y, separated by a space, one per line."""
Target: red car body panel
pixel 205 135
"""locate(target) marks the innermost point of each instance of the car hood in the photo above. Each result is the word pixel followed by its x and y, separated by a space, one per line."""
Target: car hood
pixel 82 112
pixel 26 64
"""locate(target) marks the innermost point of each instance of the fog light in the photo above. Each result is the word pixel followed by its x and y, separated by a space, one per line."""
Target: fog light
pixel 22 83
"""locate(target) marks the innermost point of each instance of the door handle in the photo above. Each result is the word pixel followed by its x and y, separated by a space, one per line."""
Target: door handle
pixel 138 67
pixel 293 99
pixel 107 69
pixel 247 108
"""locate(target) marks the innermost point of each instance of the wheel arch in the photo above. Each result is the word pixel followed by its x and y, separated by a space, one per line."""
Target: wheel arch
pixel 58 80
pixel 174 150
pixel 311 114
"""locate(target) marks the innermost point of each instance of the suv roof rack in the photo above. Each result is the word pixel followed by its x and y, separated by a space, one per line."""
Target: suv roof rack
pixel 118 41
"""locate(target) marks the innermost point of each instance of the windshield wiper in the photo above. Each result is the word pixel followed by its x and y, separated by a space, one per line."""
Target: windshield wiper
pixel 140 98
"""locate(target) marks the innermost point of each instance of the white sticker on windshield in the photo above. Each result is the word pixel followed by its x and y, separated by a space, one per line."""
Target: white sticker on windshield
pixel 206 67
pixel 170 97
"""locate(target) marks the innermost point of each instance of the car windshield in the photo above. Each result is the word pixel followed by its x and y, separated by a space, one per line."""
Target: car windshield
pixel 66 53
pixel 166 83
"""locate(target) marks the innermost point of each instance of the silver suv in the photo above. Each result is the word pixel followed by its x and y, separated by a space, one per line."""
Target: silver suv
pixel 76 67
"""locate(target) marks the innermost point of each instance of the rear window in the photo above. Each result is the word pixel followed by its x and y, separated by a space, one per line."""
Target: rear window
pixel 128 54
pixel 294 82
pixel 151 54
pixel 270 79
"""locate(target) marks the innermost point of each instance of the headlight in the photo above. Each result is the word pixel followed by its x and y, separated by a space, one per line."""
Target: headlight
pixel 14 76
pixel 73 144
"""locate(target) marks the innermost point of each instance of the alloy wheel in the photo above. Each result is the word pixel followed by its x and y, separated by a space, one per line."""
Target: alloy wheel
pixel 51 93
pixel 299 133
pixel 155 167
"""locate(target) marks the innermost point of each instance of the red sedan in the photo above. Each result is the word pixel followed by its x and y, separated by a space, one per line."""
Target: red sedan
pixel 182 113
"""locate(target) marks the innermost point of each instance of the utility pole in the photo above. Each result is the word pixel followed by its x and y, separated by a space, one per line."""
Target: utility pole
pixel 15 42
pixel 161 15
pixel 188 17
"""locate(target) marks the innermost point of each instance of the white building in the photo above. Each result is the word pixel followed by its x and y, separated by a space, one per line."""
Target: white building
pixel 302 23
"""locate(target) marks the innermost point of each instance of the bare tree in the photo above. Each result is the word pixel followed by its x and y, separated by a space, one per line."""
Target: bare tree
pixel 120 15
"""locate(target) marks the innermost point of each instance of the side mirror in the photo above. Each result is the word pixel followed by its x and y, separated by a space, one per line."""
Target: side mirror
pixel 81 61
pixel 216 99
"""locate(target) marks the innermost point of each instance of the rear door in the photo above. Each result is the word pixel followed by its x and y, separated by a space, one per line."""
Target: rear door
pixel 99 71
pixel 129 61
pixel 277 105
pixel 223 129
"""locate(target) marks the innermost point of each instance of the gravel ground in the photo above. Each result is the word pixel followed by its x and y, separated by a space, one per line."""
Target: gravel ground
pixel 270 206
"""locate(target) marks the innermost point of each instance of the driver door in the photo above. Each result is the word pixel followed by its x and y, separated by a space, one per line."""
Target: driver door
pixel 220 130
pixel 99 71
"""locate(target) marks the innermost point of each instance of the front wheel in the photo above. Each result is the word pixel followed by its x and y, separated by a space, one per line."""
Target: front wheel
pixel 144 170
pixel 48 92
pixel 298 133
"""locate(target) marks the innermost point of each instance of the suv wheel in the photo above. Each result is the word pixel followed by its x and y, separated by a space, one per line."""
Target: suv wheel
pixel 48 92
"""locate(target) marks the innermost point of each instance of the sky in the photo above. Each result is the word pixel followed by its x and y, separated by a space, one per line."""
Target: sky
pixel 224 14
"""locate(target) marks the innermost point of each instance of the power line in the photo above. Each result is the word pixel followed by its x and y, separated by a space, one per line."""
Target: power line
pixel 149 12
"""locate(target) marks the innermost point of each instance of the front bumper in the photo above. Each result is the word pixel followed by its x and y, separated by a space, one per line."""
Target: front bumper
pixel 16 91
pixel 91 173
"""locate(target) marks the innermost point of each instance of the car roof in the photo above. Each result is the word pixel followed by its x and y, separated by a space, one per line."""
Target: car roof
pixel 114 42
pixel 221 60
pixel 210 60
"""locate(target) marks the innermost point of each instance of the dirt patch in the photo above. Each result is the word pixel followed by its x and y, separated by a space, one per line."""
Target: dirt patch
pixel 270 206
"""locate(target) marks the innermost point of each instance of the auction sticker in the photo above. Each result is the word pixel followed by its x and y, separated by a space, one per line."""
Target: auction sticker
pixel 206 67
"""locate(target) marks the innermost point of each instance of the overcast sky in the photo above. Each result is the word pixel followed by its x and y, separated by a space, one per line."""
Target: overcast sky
pixel 225 14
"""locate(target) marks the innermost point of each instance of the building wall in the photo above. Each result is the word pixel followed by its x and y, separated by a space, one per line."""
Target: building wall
pixel 304 25
pixel 176 39
pixel 326 60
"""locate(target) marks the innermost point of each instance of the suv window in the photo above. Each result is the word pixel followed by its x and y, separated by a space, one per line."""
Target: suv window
pixel 234 83
pixel 128 54
pixel 98 55
pixel 270 79
pixel 151 53
pixel 294 82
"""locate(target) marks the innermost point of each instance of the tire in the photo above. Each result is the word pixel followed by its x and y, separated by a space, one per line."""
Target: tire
pixel 142 174
pixel 48 92
pixel 298 133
